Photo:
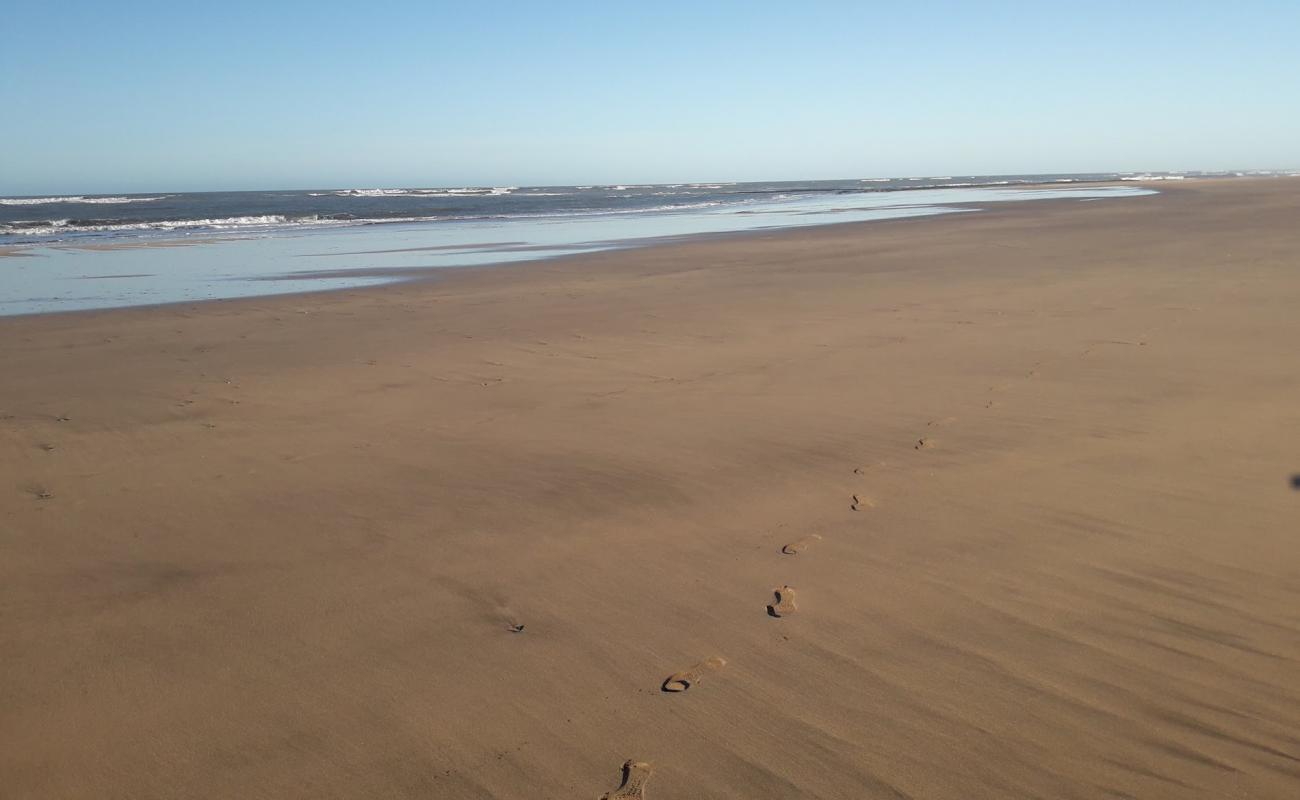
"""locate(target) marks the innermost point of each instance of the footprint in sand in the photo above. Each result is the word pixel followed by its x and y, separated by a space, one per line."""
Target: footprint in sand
pixel 861 503
pixel 784 605
pixel 508 618
pixel 795 548
pixel 935 423
pixel 635 775
pixel 924 443
pixel 687 678
pixel 863 469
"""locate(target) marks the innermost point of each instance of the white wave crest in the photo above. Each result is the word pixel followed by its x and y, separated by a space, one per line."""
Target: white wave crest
pixel 461 192
pixel 272 222
pixel 41 201
pixel 224 223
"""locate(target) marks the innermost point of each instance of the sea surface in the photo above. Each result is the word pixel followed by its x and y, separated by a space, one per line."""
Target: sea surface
pixel 101 251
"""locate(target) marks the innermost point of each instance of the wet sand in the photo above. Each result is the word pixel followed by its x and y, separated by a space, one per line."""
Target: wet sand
pixel 973 506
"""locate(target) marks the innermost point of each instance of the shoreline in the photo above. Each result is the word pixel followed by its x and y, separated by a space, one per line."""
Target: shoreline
pixel 418 275
pixel 164 240
pixel 453 537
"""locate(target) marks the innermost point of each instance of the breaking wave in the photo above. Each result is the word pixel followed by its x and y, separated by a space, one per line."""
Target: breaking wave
pixel 469 191
pixel 77 198
pixel 49 227
pixel 269 222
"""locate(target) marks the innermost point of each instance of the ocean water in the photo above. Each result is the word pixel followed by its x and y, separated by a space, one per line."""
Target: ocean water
pixel 97 217
pixel 83 252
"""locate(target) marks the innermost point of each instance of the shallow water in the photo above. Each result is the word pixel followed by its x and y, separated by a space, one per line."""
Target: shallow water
pixel 88 274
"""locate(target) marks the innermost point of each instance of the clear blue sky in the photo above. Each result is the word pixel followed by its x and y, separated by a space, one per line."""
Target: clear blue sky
pixel 143 96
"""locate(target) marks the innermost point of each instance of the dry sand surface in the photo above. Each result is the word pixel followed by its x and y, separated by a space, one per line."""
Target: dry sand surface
pixel 495 534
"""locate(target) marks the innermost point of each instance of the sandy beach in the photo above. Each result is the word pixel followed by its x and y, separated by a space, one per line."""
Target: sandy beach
pixel 1022 479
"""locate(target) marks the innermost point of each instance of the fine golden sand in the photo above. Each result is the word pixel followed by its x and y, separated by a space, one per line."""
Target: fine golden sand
pixel 990 505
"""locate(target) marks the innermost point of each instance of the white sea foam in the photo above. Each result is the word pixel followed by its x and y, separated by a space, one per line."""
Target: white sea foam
pixel 616 212
pixel 495 190
pixel 460 192
pixel 41 201
pixel 223 223
pixel 1153 178
pixel 371 192
pixel 271 222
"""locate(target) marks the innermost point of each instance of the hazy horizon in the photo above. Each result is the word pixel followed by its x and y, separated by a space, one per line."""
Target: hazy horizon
pixel 1262 171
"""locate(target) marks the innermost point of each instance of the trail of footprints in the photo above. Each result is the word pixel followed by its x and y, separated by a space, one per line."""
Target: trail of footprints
pixel 635 774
